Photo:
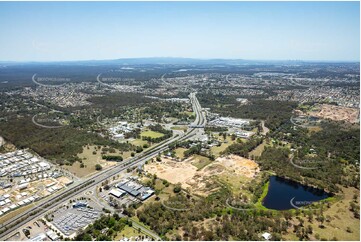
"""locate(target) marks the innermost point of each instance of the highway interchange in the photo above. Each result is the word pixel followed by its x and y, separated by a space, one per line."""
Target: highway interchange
pixel 79 187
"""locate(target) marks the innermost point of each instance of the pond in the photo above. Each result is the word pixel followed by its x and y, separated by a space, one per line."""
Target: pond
pixel 285 194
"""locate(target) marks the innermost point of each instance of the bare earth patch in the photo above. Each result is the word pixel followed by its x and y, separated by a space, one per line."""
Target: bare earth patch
pixel 172 171
pixel 64 180
pixel 336 113
pixel 242 166
pixel 184 173
pixel 200 181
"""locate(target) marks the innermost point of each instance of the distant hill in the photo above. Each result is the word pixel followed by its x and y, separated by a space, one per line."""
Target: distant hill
pixel 169 61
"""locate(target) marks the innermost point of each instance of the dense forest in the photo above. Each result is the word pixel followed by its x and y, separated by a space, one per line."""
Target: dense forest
pixel 243 148
pixel 210 219
pixel 113 101
pixel 334 140
pixel 158 110
pixel 103 229
pixel 61 145
pixel 342 142
pixel 275 113
pixel 326 176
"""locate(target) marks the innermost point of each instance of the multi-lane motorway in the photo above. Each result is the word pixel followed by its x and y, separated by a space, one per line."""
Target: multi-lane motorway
pixel 79 187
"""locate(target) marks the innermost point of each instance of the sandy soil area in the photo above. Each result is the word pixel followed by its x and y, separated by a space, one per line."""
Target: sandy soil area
pixel 242 166
pixel 336 113
pixel 173 171
pixel 64 180
pixel 200 181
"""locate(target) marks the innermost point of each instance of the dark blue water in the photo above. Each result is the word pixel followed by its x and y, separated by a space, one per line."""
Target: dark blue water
pixel 283 193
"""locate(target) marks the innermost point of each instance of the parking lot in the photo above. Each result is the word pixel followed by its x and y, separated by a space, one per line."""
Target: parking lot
pixel 69 220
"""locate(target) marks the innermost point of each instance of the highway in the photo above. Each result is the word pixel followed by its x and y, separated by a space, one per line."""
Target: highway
pixel 77 188
pixel 200 120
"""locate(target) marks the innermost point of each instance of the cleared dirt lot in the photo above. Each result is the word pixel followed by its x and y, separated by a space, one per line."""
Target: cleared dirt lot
pixel 203 181
pixel 337 113
pixel 173 171
pixel 241 166
pixel 183 172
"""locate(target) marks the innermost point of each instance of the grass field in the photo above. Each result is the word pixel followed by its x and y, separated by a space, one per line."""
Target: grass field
pixel 138 142
pixel 158 185
pixel 234 182
pixel 340 218
pixel 180 127
pixel 165 192
pixel 259 204
pixel 128 232
pixel 14 213
pixel 90 160
pixel 180 152
pixel 314 129
pixel 152 134
pixel 200 161
pixel 189 113
pixel 216 150
pixel 259 149
pixel 125 154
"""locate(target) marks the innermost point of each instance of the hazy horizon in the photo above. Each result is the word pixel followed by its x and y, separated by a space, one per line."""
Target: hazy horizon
pixel 262 31
pixel 185 58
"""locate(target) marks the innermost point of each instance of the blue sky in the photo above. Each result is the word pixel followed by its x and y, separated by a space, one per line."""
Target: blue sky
pixel 41 31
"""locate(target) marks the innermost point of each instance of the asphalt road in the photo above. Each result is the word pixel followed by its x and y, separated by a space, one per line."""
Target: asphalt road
pixel 145 230
pixel 47 204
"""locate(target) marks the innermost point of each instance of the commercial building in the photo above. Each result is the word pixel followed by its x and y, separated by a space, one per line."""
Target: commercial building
pixel 134 189
pixel 117 193
pixel 129 190
pixel 266 236
pixel 244 134
pixel 145 193
pixel 52 235
pixel 80 204
pixel 39 237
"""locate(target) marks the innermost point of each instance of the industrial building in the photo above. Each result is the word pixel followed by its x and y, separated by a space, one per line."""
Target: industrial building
pixel 117 193
pixel 39 237
pixel 80 204
pixel 52 235
pixel 134 189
